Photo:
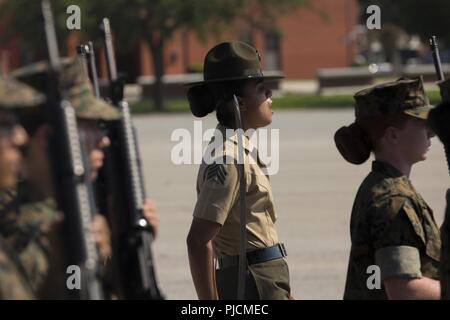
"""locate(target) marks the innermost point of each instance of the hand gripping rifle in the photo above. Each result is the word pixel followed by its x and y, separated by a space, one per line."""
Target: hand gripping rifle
pixel 445 229
pixel 134 235
pixel 74 192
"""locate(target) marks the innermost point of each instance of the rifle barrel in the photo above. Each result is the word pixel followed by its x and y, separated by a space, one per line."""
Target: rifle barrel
pixel 436 58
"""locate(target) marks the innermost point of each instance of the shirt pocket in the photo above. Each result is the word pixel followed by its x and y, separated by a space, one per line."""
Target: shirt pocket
pixel 265 197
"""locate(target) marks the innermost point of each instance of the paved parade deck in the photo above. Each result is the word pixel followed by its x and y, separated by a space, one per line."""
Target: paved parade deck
pixel 314 191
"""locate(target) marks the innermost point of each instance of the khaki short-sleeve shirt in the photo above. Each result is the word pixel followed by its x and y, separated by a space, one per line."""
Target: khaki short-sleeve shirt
pixel 218 196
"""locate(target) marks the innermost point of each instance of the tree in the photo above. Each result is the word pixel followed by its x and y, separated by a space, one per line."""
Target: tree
pixel 155 21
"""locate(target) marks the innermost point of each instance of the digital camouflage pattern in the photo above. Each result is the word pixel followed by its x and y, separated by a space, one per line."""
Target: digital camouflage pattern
pixel 389 213
pixel 13 285
pixel 14 94
pixel 13 282
pixel 75 87
pixel 25 226
pixel 402 96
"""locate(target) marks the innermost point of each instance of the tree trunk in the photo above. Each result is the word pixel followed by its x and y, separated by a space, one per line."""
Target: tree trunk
pixel 157 49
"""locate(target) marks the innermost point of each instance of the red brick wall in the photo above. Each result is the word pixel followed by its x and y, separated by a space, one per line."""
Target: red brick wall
pixel 308 41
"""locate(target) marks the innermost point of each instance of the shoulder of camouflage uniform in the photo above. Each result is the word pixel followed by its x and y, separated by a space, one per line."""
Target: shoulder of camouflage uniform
pixel 388 206
pixel 391 187
pixel 13 286
pixel 36 217
pixel 16 95
pixel 8 212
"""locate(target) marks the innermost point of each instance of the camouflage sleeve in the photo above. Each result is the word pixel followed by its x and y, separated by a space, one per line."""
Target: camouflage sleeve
pixel 12 284
pixel 398 262
pixel 397 236
pixel 35 220
pixel 217 193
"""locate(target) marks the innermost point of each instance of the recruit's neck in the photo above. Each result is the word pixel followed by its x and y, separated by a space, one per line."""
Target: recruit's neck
pixel 396 161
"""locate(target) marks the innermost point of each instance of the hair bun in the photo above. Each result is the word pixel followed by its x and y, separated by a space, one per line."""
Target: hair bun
pixel 201 100
pixel 352 144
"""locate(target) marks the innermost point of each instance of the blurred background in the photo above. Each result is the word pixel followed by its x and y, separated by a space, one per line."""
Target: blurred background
pixel 322 46
pixel 326 52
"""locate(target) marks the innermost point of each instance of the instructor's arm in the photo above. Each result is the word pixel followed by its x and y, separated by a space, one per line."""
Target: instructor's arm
pixel 200 250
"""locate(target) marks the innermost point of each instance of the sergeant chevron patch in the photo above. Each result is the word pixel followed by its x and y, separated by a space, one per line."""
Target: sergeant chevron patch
pixel 216 172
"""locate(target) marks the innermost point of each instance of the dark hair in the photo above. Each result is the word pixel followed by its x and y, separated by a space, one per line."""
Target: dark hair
pixel 357 141
pixel 206 98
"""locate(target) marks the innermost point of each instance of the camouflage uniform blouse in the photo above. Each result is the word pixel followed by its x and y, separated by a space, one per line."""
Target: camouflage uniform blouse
pixel 393 228
pixel 13 281
pixel 24 225
pixel 13 284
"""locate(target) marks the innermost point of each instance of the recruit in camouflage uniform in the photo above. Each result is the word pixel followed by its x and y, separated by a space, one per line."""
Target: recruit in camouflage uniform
pixel 37 210
pixel 391 225
pixel 14 283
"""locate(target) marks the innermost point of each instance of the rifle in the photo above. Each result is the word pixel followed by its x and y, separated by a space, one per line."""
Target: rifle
pixel 242 204
pixel 133 233
pixel 74 193
pixel 87 52
pixel 445 230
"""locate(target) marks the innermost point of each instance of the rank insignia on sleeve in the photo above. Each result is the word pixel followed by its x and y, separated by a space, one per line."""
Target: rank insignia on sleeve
pixel 216 172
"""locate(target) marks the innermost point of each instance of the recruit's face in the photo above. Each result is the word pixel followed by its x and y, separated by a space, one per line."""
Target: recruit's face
pixel 12 137
pixel 415 140
pixel 36 167
pixel 257 103
pixel 96 141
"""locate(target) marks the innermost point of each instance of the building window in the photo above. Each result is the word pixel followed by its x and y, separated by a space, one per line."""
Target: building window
pixel 272 51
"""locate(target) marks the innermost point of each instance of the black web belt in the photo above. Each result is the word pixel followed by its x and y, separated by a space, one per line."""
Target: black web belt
pixel 254 257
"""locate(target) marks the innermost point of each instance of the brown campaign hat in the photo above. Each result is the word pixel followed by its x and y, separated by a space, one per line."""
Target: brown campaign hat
pixel 234 60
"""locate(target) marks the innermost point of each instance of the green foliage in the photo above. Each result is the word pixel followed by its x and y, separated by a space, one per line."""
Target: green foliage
pixel 153 20
pixel 289 101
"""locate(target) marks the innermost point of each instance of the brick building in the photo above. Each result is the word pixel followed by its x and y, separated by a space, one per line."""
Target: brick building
pixel 306 41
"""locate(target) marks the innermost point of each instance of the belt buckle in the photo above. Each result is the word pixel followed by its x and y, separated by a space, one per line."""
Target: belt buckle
pixel 282 249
